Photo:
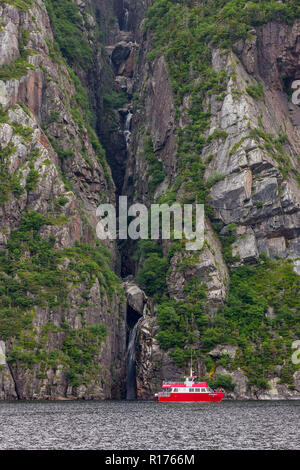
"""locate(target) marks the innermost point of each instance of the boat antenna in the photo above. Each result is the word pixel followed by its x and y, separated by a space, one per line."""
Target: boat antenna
pixel 191 371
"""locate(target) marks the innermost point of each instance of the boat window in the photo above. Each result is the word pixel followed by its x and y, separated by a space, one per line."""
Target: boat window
pixel 203 390
pixel 197 390
pixel 175 389
pixel 191 389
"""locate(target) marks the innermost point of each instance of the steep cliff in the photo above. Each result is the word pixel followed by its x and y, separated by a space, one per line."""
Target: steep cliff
pixel 186 101
pixel 214 124
pixel 62 306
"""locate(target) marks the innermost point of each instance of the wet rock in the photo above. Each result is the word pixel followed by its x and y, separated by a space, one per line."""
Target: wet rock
pixel 136 298
pixel 120 53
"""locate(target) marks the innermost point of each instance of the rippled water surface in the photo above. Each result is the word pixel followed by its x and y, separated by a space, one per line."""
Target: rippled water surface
pixel 149 425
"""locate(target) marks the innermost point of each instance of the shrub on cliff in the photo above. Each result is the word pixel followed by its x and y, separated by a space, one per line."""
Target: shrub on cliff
pixel 152 276
pixel 222 381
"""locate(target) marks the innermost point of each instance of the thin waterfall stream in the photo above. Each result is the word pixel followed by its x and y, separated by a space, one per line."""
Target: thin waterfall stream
pixel 131 364
pixel 125 19
pixel 127 127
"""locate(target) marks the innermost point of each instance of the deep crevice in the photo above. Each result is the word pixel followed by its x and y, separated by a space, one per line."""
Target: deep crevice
pixel 114 127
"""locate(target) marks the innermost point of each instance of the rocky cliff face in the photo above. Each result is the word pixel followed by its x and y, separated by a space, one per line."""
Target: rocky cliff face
pixel 259 193
pixel 251 175
pixel 114 110
pixel 53 170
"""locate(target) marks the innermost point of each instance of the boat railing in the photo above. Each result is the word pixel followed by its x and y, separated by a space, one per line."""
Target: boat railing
pixel 173 382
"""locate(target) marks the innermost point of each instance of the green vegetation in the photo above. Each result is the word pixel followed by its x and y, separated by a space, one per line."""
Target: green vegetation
pixel 25 132
pixel 221 381
pixel 34 274
pixel 183 32
pixel 62 154
pixel 79 355
pixel 152 276
pixel 179 321
pixel 23 5
pixel 82 348
pixel 3 115
pixel 256 91
pixel 80 106
pixel 217 134
pixel 227 240
pixel 69 43
pixel 38 271
pixel 218 21
pixel 261 314
pixel 9 182
pixel 67 21
pixel 32 178
pixel 156 171
pixel 16 69
pixel 264 341
pixel 114 100
pixel 275 147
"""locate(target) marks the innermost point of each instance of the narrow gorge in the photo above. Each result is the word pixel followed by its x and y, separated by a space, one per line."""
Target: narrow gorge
pixel 188 101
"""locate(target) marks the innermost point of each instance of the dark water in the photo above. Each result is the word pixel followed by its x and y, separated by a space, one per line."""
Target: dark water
pixel 149 425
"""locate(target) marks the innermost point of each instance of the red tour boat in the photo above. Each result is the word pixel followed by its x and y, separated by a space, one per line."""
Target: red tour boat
pixel 188 391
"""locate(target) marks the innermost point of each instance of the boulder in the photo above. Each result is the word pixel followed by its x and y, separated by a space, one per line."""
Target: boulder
pixel 120 54
pixel 136 298
pixel 221 349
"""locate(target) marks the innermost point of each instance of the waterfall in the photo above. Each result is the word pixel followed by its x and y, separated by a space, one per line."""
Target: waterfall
pixel 2 353
pixel 130 364
pixel 125 19
pixel 127 127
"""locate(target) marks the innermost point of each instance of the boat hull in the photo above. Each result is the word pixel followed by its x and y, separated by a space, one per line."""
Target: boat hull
pixel 192 398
